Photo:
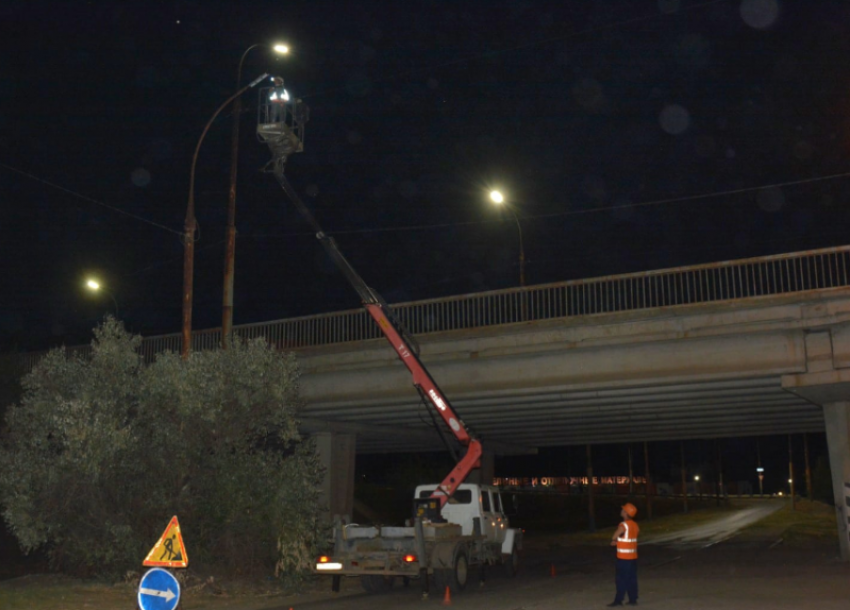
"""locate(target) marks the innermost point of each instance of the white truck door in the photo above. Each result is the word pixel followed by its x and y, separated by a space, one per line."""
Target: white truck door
pixel 501 525
pixel 489 519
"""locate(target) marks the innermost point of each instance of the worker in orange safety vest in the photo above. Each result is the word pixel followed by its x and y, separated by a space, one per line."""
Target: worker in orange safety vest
pixel 626 541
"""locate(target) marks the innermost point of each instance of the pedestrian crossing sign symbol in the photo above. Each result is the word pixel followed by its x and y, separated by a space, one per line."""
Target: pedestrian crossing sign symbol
pixel 169 552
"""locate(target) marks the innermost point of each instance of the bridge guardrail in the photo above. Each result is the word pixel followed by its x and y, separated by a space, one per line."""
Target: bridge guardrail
pixel 796 272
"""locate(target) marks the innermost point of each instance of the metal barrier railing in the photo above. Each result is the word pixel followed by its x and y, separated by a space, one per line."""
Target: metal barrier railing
pixel 797 272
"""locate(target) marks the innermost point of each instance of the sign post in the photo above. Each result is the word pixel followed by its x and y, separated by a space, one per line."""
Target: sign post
pixel 158 590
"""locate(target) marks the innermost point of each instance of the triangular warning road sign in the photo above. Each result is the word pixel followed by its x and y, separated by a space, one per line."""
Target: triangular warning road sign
pixel 169 552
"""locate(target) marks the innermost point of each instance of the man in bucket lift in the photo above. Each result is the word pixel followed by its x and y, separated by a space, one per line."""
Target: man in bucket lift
pixel 278 96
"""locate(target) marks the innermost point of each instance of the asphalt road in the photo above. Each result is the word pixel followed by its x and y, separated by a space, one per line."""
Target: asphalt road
pixel 706 566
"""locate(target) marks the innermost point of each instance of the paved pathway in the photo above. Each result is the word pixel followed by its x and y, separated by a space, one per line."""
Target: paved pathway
pixel 708 534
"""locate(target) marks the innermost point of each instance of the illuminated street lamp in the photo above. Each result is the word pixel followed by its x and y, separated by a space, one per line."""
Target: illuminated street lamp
pixel 696 483
pixel 95 286
pixel 760 472
pixel 499 199
pixel 230 240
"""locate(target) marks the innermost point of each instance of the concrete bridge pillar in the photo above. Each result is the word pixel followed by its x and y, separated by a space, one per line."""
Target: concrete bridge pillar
pixel 837 420
pixel 336 452
pixel 484 475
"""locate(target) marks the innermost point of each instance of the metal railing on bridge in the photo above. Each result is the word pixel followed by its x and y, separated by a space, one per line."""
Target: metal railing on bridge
pixel 797 272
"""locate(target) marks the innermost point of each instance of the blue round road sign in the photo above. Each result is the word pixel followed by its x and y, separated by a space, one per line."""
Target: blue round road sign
pixel 158 590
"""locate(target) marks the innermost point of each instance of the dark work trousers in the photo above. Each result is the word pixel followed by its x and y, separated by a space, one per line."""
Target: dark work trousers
pixel 626 580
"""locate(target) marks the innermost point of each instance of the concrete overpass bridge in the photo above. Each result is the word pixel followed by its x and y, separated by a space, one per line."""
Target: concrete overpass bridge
pixel 730 349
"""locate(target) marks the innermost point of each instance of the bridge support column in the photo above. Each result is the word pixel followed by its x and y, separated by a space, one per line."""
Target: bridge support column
pixel 336 453
pixel 837 420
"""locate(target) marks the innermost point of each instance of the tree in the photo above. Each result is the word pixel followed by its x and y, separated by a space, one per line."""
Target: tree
pixel 101 451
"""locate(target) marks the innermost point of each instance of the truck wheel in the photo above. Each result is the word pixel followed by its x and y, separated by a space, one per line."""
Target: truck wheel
pixel 456 577
pixel 376 584
pixel 511 564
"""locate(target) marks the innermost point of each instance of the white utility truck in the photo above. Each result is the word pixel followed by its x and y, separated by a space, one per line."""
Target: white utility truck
pixel 473 533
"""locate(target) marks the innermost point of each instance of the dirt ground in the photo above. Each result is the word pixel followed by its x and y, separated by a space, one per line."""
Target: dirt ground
pixel 785 560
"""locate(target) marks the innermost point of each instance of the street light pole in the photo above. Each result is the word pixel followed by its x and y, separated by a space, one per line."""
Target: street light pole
pixel 96 286
pixel 230 245
pixel 190 225
pixel 499 199
pixel 521 249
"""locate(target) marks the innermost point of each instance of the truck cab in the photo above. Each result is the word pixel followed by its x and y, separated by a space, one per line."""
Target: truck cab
pixel 473 503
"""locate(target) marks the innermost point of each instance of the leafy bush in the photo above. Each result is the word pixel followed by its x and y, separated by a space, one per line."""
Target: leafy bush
pixel 101 452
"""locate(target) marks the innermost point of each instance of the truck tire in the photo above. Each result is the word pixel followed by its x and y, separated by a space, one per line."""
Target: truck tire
pixel 377 584
pixel 456 577
pixel 511 563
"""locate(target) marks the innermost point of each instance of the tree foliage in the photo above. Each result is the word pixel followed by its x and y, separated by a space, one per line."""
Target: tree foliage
pixel 102 450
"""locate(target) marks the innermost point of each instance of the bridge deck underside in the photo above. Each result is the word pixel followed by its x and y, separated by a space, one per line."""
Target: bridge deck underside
pixel 746 407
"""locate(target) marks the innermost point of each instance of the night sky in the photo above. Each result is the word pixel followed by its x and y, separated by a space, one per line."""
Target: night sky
pixel 629 135
pixel 417 109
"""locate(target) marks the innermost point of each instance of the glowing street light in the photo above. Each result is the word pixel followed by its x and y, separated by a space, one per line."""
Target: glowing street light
pixel 95 286
pixel 498 198
pixel 230 239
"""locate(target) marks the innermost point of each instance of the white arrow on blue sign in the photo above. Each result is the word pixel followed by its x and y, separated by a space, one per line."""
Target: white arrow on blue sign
pixel 158 590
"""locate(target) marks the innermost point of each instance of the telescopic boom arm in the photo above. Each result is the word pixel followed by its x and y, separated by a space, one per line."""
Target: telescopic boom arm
pixel 406 349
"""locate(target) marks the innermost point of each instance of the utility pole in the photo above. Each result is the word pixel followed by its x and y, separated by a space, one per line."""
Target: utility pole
pixel 718 461
pixel 684 478
pixel 808 467
pixel 791 474
pixel 230 245
pixel 591 516
pixel 759 469
pixel 648 481
pixel 190 226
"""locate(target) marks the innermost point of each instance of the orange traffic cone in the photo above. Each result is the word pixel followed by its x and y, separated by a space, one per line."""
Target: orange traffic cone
pixel 552 571
pixel 447 598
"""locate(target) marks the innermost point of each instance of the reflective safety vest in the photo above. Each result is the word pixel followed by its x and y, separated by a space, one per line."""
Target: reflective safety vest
pixel 627 544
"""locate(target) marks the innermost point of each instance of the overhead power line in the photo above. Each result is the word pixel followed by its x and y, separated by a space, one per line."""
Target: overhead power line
pixel 642 204
pixel 67 191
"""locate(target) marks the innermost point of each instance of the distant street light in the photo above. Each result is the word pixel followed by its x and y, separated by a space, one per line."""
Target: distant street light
pixel 191 224
pixel 499 199
pixel 95 286
pixel 230 244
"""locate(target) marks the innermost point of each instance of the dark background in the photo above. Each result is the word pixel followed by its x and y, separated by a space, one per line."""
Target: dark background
pixel 417 109
pixel 629 136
